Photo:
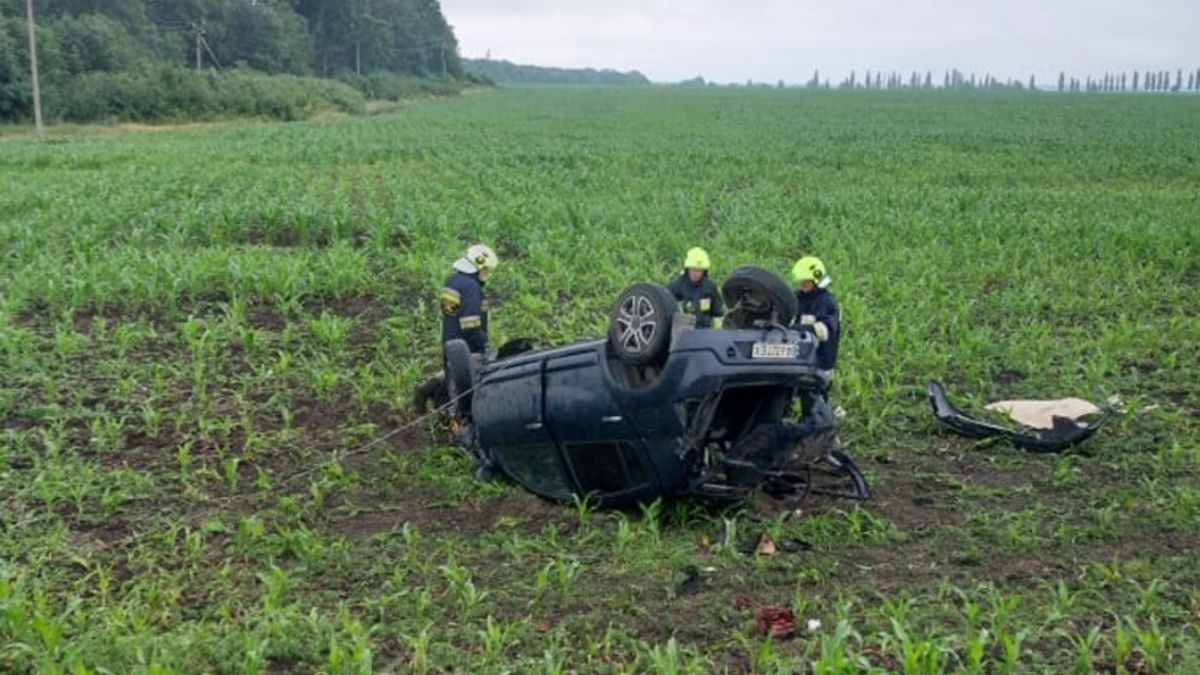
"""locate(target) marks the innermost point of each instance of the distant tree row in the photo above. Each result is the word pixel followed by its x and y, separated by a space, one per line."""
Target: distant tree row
pixel 325 38
pixel 1155 81
pixel 1150 80
pixel 916 80
pixel 506 72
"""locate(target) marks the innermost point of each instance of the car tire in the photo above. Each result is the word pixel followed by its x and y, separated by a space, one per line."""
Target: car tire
pixel 459 370
pixel 753 293
pixel 640 324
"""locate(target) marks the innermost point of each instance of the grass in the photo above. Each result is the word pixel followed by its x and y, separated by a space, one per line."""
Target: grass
pixel 196 324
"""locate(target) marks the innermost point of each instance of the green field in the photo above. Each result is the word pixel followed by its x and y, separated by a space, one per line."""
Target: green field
pixel 198 325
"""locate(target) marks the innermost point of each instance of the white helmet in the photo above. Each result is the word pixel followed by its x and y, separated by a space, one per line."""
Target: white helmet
pixel 479 258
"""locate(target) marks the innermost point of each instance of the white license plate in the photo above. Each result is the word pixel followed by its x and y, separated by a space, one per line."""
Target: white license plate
pixel 774 350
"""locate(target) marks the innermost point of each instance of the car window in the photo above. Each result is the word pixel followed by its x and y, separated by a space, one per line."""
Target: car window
pixel 538 468
pixel 605 467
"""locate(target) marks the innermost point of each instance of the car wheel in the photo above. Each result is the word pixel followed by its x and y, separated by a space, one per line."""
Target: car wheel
pixel 459 371
pixel 640 326
pixel 755 294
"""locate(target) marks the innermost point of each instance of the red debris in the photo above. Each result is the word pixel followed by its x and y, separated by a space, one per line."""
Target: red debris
pixel 775 621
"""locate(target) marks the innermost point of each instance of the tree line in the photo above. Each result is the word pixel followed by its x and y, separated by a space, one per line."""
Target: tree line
pixel 956 80
pixel 1150 80
pixel 506 72
pixel 148 43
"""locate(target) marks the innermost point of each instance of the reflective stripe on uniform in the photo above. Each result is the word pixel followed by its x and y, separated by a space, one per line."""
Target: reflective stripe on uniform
pixel 469 322
pixel 451 301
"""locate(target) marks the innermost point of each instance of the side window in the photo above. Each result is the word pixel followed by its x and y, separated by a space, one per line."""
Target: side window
pixel 605 467
pixel 537 468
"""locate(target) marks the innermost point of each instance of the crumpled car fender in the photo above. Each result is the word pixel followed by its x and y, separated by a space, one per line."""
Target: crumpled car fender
pixel 1065 434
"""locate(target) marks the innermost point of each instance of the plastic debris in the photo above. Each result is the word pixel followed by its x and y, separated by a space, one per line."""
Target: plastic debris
pixel 1041 414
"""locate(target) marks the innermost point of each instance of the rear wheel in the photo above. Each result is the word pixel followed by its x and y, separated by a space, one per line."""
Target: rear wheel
pixel 755 294
pixel 459 374
pixel 640 324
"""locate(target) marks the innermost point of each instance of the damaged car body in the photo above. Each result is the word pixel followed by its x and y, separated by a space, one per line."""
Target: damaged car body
pixel 659 409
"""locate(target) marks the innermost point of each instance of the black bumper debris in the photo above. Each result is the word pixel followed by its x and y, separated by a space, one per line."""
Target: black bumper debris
pixel 1065 434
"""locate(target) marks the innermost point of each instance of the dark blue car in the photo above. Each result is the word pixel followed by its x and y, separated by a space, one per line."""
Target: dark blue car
pixel 658 409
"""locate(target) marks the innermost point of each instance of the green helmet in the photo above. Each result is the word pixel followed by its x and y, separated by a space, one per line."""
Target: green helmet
pixel 697 258
pixel 810 268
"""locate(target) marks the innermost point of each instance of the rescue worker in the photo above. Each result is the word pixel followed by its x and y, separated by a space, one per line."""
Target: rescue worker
pixel 465 317
pixel 464 303
pixel 695 291
pixel 818 313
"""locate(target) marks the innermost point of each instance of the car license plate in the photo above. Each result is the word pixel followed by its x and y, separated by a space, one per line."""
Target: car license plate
pixel 774 350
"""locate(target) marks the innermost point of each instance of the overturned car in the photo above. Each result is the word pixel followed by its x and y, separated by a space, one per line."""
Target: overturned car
pixel 659 409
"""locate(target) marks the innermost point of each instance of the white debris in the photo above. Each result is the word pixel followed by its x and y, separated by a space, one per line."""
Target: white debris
pixel 839 412
pixel 814 625
pixel 1041 414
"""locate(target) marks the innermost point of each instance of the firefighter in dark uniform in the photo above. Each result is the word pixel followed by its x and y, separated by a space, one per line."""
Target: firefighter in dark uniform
pixel 696 293
pixel 465 317
pixel 818 313
pixel 464 303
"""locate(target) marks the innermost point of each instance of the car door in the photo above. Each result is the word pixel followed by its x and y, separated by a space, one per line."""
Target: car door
pixel 508 413
pixel 602 452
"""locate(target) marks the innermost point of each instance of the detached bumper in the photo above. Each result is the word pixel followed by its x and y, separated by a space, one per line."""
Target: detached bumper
pixel 1065 434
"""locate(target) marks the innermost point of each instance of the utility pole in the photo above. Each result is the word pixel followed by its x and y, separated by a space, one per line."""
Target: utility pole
pixel 198 29
pixel 33 71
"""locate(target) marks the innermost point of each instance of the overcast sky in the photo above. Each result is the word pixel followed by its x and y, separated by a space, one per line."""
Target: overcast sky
pixel 769 40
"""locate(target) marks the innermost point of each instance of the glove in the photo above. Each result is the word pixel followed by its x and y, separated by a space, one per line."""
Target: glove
pixel 818 328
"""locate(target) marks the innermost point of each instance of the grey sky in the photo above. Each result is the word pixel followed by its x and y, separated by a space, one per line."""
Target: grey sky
pixel 768 40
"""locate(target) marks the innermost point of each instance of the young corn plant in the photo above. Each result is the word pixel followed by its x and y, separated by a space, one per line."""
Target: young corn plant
pixel 461 587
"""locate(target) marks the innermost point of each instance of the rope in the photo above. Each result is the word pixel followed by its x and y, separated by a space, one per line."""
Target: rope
pixel 362 449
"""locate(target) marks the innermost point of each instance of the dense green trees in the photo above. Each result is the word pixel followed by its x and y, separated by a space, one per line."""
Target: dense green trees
pixel 84 44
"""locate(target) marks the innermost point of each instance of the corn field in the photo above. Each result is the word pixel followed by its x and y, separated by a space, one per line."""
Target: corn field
pixel 198 325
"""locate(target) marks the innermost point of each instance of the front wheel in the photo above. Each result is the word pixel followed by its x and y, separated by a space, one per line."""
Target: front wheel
pixel 640 324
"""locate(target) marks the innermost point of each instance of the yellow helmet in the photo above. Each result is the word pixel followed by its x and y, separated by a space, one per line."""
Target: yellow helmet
pixel 810 268
pixel 697 258
pixel 483 257
pixel 479 260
